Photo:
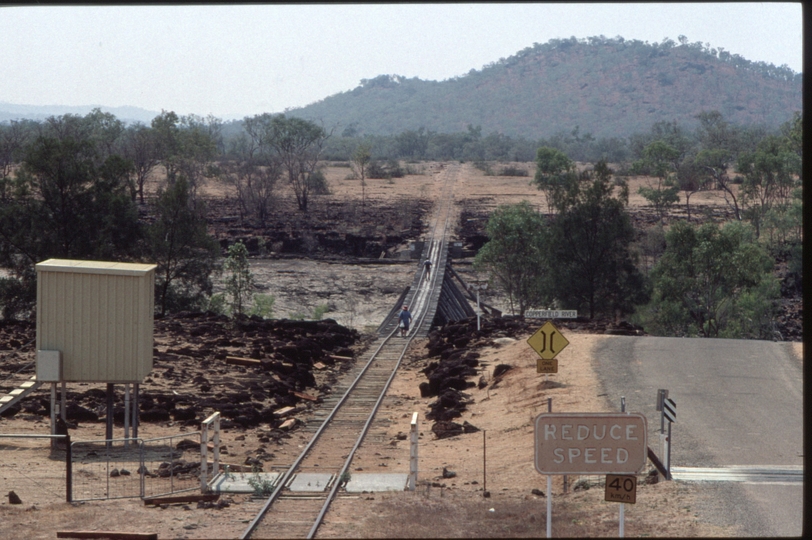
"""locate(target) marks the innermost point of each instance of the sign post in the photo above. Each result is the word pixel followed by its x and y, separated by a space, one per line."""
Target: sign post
pixel 547 341
pixel 588 443
pixel 670 413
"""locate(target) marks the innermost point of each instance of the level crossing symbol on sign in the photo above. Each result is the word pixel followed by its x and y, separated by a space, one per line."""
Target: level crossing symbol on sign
pixel 670 409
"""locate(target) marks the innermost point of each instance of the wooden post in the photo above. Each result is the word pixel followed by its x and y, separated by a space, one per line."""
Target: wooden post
pixel 484 464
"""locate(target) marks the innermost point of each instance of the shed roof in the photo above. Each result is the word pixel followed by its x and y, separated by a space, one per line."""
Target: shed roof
pixel 95 267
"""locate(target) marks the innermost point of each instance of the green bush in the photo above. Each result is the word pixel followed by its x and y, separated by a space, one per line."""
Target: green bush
pixel 263 306
pixel 319 311
pixel 513 171
pixel 318 183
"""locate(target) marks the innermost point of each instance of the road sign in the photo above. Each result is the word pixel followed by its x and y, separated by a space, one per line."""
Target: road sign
pixel 546 366
pixel 590 443
pixel 551 314
pixel 621 488
pixel 547 341
pixel 670 409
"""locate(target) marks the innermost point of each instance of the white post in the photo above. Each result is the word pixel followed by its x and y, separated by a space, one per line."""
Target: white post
pixel 214 421
pixel 413 454
pixel 478 308
pixel 204 458
pixel 126 415
pixel 549 506
pixel 549 485
pixel 216 442
pixel 622 515
pixel 622 505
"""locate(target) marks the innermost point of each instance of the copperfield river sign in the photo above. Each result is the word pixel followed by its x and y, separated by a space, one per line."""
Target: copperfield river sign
pixel 590 443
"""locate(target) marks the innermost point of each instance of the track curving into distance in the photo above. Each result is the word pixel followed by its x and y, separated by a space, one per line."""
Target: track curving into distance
pixel 328 456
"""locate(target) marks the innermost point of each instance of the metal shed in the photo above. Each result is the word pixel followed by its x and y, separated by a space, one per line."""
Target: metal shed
pixel 98 316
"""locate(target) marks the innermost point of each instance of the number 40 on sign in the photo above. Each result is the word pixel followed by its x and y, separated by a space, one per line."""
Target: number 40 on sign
pixel 621 488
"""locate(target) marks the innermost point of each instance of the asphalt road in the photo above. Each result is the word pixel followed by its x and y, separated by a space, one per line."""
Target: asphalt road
pixel 739 402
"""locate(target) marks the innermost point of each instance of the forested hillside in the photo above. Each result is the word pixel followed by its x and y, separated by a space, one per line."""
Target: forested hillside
pixel 607 87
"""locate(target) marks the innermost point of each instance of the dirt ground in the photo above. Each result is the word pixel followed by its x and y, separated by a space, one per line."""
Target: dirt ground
pixel 498 459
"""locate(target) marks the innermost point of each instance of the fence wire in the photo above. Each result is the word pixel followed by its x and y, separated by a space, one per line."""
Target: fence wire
pixel 106 470
pixel 32 470
pixel 122 468
pixel 171 464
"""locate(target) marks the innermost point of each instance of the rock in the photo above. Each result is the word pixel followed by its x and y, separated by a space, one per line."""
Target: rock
pixel 188 444
pixel 501 369
pixel 114 473
pixel 443 430
pixel 449 474
pixel 469 428
pixel 13 498
pixel 537 492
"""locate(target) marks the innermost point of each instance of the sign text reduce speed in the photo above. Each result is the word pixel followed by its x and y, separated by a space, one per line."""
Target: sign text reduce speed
pixel 590 443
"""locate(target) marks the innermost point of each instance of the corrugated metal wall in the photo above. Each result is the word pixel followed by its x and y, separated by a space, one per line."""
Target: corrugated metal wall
pixel 101 318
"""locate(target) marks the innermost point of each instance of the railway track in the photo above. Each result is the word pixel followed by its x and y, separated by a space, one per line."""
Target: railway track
pixel 302 495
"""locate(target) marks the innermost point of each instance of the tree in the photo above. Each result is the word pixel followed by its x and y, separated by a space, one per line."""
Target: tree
pixel 141 147
pixel 239 279
pixel 712 282
pixel 660 161
pixel 516 254
pixel 768 179
pixel 719 145
pixel 592 267
pixel 254 170
pixel 296 143
pixel 185 145
pixel 66 202
pixel 555 173
pixel 13 137
pixel 182 248
pixel 360 161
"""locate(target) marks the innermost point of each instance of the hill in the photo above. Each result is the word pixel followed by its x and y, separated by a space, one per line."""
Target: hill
pixel 607 87
pixel 11 111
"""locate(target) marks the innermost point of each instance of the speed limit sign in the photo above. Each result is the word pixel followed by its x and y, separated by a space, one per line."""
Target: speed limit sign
pixel 621 488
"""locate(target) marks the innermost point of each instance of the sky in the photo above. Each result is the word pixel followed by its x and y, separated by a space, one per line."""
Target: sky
pixel 233 61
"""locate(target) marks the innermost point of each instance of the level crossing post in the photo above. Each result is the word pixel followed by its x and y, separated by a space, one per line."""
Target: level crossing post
pixel 413 454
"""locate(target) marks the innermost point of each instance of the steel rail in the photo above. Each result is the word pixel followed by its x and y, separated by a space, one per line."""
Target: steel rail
pixel 422 295
pixel 292 469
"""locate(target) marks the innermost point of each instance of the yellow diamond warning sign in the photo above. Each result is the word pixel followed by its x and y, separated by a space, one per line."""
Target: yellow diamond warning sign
pixel 547 341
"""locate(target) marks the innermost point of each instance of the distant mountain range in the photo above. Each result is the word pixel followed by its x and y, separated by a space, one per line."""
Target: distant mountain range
pixel 606 87
pixel 11 111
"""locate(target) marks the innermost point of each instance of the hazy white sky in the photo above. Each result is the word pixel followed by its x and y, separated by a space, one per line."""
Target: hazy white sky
pixel 233 61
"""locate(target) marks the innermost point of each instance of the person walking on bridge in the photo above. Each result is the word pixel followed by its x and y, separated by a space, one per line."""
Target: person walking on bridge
pixel 405 318
pixel 427 267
